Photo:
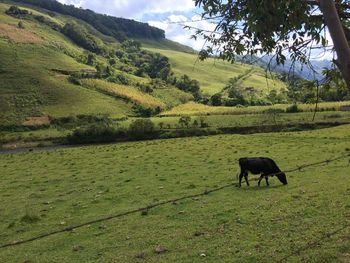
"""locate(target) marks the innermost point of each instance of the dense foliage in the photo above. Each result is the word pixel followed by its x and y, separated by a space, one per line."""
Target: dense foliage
pixel 118 28
pixel 82 38
pixel 185 83
pixel 16 11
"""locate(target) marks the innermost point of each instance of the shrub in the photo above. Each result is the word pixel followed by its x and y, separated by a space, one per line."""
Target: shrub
pixel 293 109
pixel 141 128
pixel 119 79
pixel 74 80
pixel 185 121
pixel 185 83
pixel 21 25
pixel 16 11
pixel 216 99
pixel 95 134
pixel 147 112
pixel 203 123
pixel 81 120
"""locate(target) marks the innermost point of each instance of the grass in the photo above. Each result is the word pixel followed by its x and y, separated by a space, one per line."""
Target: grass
pixel 71 186
pixel 248 120
pixel 172 97
pixel 10 139
pixel 193 108
pixel 213 75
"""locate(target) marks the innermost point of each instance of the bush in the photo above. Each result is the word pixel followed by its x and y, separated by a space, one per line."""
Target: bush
pixel 16 11
pixel 185 121
pixel 293 109
pixel 119 79
pixel 146 111
pixel 141 128
pixel 70 122
pixel 216 99
pixel 21 25
pixel 95 134
pixel 74 80
pixel 185 83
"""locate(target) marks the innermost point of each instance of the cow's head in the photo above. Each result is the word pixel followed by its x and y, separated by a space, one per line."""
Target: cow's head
pixel 282 177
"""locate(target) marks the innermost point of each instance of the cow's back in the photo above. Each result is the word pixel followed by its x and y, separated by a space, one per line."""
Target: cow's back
pixel 257 165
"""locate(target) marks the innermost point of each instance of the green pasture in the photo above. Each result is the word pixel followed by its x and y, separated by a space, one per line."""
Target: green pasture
pixel 304 221
pixel 213 75
pixel 247 120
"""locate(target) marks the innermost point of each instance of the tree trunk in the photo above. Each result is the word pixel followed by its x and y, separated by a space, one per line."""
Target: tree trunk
pixel 340 42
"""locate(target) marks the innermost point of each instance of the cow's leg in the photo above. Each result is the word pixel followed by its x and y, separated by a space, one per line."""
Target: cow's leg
pixel 240 178
pixel 261 177
pixel 246 178
pixel 267 180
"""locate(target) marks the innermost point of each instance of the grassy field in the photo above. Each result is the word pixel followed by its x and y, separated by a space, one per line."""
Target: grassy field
pixel 193 108
pixel 213 75
pixel 72 186
pixel 222 121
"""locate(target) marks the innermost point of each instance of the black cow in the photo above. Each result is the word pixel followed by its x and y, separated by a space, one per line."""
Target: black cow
pixel 260 165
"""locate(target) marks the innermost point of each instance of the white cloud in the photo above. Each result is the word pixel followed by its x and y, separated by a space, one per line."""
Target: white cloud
pixel 174 29
pixel 133 8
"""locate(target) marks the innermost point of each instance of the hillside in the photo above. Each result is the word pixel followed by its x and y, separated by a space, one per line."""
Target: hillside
pixel 37 61
pixel 213 75
pixel 119 28
pixel 50 57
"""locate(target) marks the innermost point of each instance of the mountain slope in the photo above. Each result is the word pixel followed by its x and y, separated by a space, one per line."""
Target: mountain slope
pixel 28 85
pixel 213 74
pixel 47 59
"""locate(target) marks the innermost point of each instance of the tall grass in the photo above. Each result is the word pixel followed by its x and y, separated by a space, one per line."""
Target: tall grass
pixel 125 92
pixel 192 108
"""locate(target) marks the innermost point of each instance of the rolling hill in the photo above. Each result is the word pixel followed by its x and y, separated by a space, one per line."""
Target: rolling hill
pixel 214 74
pixel 49 55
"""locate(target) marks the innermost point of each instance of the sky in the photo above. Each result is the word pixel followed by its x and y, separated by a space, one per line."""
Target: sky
pixel 169 15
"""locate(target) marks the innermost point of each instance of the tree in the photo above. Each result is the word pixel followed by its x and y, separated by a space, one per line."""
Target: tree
pixel 276 27
pixel 185 83
pixel 158 67
pixel 216 99
pixel 81 37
